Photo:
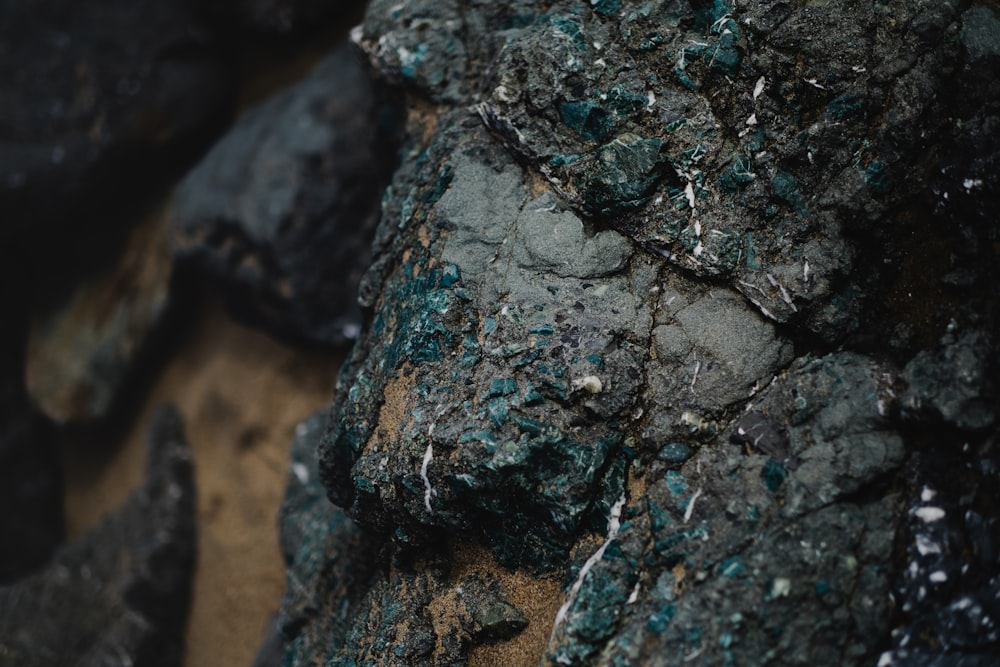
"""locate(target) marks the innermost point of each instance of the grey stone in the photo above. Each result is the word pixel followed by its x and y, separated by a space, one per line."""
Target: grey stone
pixel 120 593
pixel 282 209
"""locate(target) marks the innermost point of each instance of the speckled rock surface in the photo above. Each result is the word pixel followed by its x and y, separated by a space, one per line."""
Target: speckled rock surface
pixel 281 211
pixel 655 314
pixel 118 594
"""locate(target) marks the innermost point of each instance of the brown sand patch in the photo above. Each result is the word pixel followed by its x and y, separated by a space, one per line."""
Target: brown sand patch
pixel 241 395
pixel 538 598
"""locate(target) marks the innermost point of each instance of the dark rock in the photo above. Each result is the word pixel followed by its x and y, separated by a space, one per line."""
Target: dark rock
pixel 953 383
pixel 283 17
pixel 100 102
pixel 31 505
pixel 593 271
pixel 330 561
pixel 87 336
pixel 119 594
pixel 282 209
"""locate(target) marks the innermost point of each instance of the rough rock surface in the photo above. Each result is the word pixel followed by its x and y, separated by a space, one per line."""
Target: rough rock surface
pixel 654 315
pixel 119 594
pixel 282 209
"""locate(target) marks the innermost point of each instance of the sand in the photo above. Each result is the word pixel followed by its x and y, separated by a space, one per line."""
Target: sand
pixel 241 395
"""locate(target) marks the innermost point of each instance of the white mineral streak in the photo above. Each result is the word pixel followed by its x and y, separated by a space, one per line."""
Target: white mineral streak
pixel 614 524
pixel 690 507
pixel 930 514
pixel 428 489
pixel 759 87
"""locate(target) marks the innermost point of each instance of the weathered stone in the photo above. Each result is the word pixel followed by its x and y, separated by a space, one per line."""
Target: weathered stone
pixel 282 209
pixel 601 327
pixel 86 338
pixel 118 594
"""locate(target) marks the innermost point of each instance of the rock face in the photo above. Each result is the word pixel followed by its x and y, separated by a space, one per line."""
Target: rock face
pixel 651 315
pixel 119 594
pixel 282 209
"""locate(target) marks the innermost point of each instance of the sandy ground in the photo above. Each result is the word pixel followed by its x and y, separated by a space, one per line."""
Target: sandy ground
pixel 241 394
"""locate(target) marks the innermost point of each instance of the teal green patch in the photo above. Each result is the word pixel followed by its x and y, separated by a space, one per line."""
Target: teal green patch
pixel 733 567
pixel 675 483
pixel 739 174
pixel 607 7
pixel 587 118
pixel 822 587
pixel 502 387
pixel 563 160
pixel 542 330
pixel 751 259
pixel 659 621
pixel 497 410
pixel 409 60
pixel 623 102
pixel 532 397
pixel 675 453
pixel 571 28
pixel 450 275
pixel 846 107
pixel 785 187
pixel 489 325
pixel 773 475
pixel 485 437
pixel 877 177
pixel 626 173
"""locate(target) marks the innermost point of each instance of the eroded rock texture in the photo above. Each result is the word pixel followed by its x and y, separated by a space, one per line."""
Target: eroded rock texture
pixel 674 307
pixel 119 594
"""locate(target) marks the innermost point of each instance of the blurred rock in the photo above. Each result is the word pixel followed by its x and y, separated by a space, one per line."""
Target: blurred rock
pixel 86 338
pixel 282 210
pixel 119 594
pixel 284 17
pixel 98 103
pixel 31 505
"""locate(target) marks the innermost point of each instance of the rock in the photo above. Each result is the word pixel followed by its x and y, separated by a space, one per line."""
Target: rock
pixel 953 383
pixel 330 561
pixel 101 103
pixel 118 594
pixel 623 331
pixel 31 504
pixel 283 17
pixel 282 209
pixel 87 337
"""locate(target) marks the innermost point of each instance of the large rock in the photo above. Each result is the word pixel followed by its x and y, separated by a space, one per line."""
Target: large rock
pixel 282 209
pixel 119 594
pixel 638 300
